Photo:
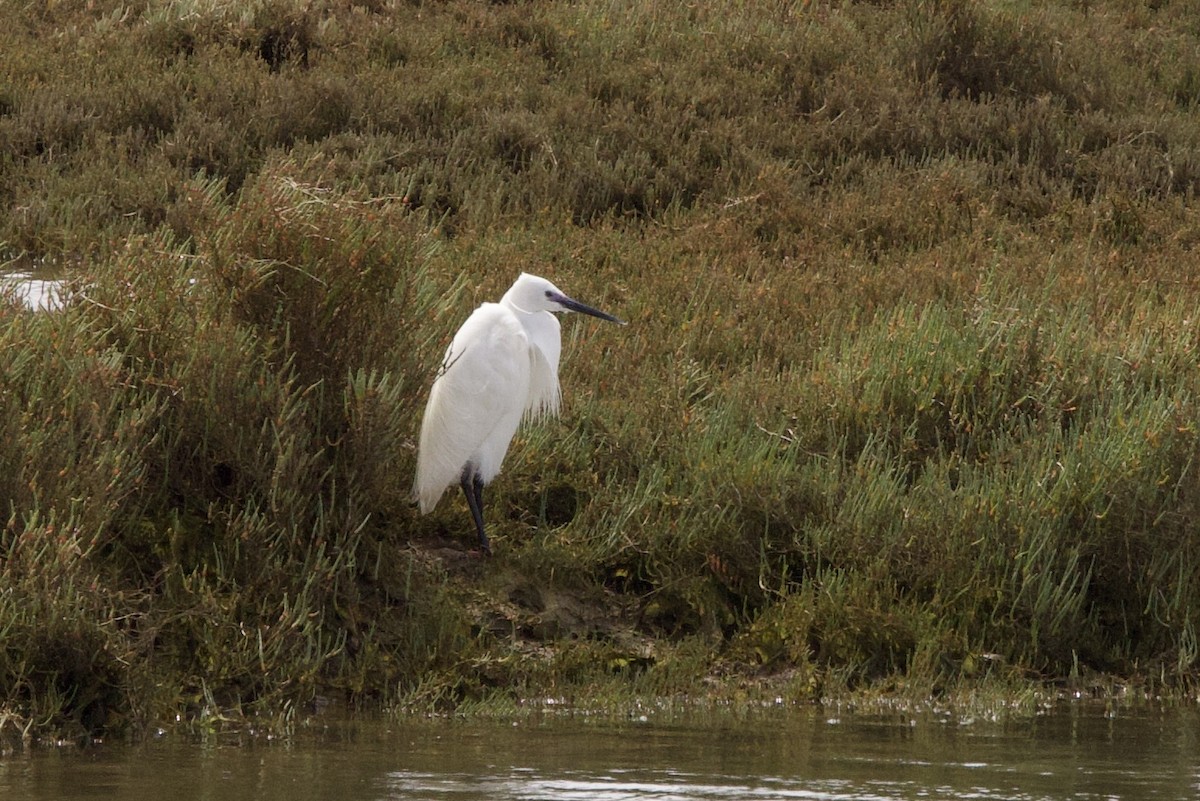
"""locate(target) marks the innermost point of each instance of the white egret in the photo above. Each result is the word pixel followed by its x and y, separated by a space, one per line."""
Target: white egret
pixel 502 366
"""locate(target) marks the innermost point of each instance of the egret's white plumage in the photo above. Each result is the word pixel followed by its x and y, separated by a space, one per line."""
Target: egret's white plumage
pixel 502 366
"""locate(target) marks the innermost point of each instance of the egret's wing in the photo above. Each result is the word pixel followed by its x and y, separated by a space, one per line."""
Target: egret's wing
pixel 475 403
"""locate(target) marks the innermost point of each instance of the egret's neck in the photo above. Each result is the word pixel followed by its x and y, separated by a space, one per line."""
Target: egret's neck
pixel 542 328
pixel 512 304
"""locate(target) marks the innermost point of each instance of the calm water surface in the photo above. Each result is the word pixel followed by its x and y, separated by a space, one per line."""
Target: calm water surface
pixel 35 285
pixel 1076 754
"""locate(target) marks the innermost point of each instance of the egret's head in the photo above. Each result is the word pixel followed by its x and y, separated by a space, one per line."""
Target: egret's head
pixel 532 293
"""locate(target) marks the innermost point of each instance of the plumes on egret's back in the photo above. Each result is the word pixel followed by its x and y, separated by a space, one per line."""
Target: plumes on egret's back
pixel 502 366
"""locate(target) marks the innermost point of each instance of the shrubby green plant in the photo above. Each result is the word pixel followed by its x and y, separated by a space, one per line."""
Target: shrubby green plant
pixel 193 454
pixel 996 469
pixel 906 400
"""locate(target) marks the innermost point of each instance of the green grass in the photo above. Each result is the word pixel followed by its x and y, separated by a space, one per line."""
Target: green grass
pixel 907 403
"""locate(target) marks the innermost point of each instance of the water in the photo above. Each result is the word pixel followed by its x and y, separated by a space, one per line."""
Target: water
pixel 35 285
pixel 1073 754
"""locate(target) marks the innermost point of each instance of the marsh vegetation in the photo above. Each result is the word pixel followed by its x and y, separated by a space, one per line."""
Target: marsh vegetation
pixel 908 401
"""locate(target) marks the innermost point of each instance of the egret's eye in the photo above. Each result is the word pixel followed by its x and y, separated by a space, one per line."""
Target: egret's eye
pixel 547 293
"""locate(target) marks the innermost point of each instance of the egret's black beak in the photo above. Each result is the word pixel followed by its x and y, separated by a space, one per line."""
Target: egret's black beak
pixel 583 308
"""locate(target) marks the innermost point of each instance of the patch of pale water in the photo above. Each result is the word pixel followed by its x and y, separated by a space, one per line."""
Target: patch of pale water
pixel 1076 753
pixel 36 285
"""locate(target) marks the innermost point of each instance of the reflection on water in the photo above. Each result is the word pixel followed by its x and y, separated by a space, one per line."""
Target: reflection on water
pixel 33 284
pixel 807 757
pixel 618 785
pixel 784 754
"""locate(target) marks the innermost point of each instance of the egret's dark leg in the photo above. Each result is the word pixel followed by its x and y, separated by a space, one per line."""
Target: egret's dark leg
pixel 472 487
pixel 477 486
